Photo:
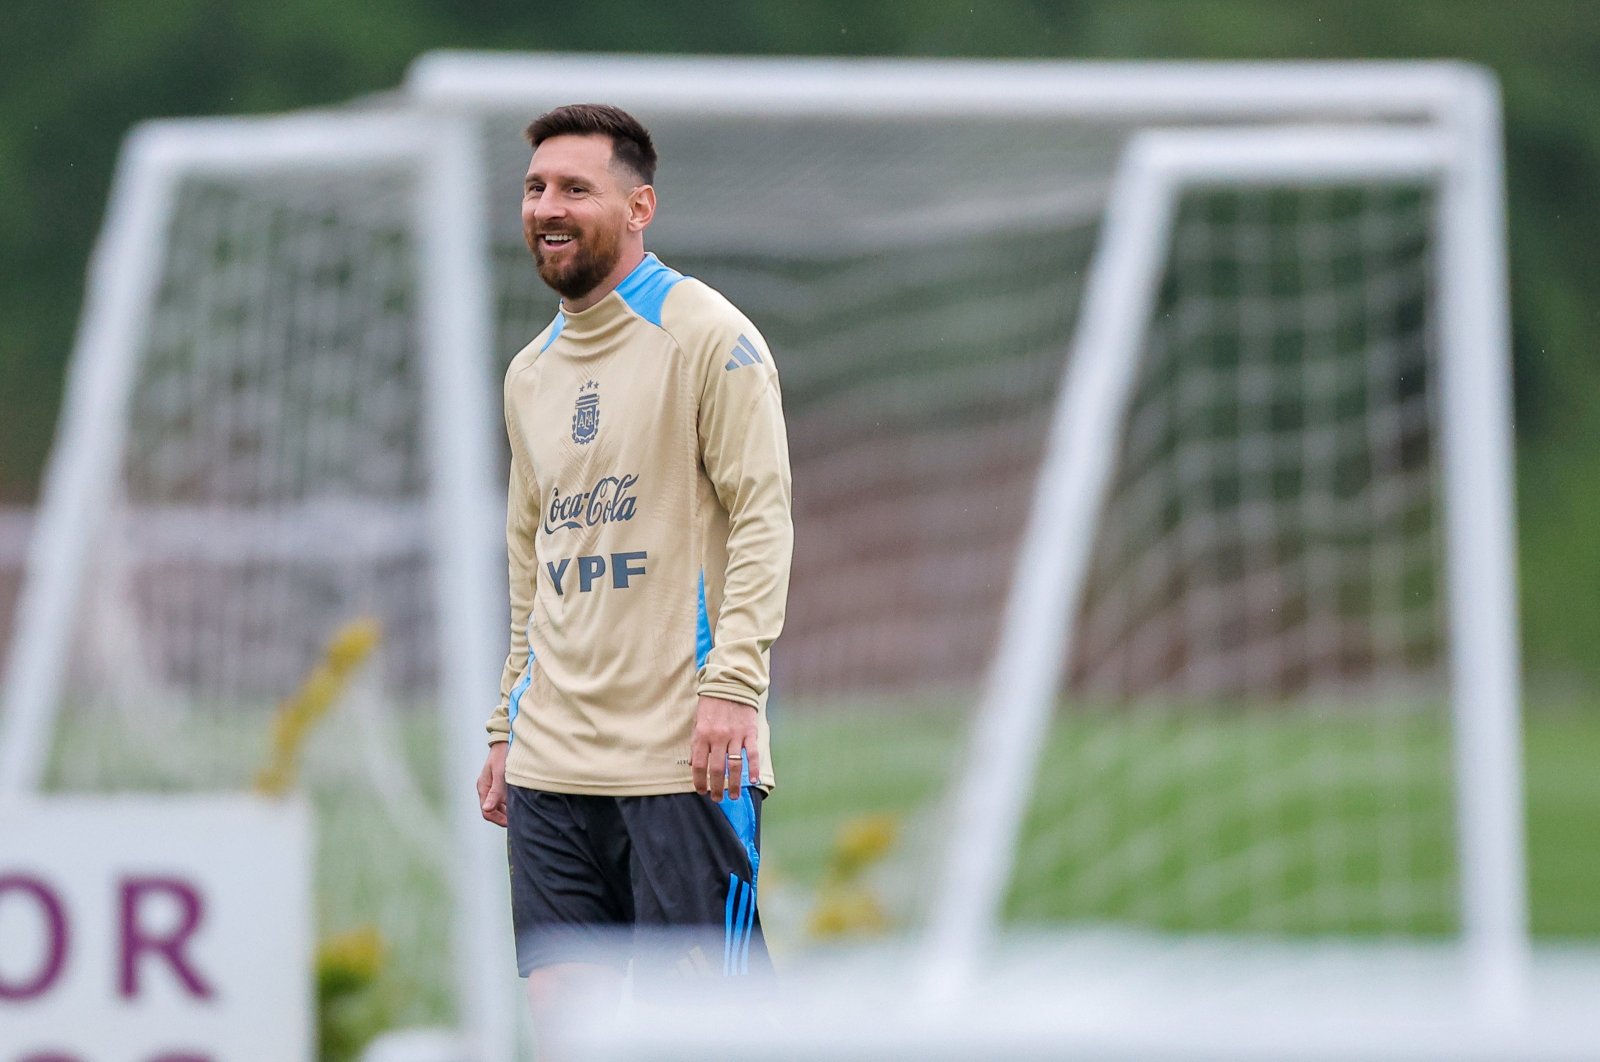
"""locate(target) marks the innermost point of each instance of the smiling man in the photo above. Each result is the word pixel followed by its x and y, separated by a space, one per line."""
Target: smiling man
pixel 649 534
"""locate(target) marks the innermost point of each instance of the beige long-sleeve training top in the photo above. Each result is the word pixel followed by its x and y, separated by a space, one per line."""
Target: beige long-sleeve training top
pixel 649 533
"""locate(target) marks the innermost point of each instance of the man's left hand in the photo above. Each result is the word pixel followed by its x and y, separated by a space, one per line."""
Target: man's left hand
pixel 724 734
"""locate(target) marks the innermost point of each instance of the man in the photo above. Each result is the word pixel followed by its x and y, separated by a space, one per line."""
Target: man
pixel 648 527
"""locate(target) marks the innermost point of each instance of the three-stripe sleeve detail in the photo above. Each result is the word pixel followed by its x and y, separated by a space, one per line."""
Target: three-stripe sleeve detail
pixel 744 353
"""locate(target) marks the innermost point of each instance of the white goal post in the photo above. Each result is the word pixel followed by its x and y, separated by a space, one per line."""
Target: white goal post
pixel 440 157
pixel 1010 726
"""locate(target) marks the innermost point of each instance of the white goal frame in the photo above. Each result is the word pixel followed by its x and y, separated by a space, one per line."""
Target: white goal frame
pixel 464 508
pixel 1455 139
pixel 1157 167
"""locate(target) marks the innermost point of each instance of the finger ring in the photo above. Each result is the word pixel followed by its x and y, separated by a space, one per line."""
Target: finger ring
pixel 736 755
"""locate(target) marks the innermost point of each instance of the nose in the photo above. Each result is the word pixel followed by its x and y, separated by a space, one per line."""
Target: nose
pixel 546 207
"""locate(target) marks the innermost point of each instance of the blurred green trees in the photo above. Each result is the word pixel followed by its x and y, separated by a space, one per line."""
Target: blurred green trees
pixel 75 74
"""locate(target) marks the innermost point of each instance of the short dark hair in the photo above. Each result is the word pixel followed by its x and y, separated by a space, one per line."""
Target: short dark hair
pixel 630 142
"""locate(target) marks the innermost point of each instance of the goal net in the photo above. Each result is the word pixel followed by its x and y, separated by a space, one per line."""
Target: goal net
pixel 1256 731
pixel 1154 549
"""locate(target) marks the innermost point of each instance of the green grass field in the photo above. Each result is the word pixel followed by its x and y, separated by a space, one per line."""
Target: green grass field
pixel 1563 800
pixel 1212 820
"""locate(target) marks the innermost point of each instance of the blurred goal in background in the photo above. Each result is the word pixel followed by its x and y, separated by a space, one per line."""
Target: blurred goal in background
pixel 1184 386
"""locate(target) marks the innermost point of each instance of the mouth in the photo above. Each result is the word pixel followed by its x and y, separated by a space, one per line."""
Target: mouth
pixel 554 241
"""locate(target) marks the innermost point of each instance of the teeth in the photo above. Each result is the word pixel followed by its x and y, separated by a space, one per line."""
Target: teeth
pixel 557 237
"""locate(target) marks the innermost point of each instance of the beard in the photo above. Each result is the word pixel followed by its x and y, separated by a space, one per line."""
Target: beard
pixel 583 268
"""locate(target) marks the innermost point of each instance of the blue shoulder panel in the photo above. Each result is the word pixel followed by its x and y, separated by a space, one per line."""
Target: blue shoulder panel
pixel 645 289
pixel 555 330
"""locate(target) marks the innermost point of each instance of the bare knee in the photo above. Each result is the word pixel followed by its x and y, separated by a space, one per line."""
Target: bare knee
pixel 564 989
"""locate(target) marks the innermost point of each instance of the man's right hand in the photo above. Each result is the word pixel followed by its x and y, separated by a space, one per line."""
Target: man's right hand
pixel 492 784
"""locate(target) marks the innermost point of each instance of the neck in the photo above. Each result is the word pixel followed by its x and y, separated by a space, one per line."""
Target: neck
pixel 627 263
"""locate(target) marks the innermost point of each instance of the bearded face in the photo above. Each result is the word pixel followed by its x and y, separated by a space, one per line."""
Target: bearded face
pixel 576 213
pixel 573 258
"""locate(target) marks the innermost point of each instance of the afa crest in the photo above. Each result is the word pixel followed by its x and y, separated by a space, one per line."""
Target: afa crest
pixel 586 415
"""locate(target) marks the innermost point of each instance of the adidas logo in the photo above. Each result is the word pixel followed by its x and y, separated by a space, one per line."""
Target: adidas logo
pixel 744 353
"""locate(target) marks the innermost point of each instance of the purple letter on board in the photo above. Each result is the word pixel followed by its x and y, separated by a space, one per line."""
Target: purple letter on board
pixel 170 947
pixel 56 929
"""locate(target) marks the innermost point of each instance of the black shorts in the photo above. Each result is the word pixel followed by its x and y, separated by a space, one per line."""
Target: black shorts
pixel 671 877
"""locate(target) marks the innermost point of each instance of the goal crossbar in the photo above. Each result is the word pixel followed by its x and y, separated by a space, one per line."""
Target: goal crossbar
pixel 840 87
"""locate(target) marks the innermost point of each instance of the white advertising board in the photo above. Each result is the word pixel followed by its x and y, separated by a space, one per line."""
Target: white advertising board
pixel 155 929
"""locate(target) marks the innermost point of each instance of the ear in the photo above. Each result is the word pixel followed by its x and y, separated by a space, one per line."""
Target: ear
pixel 641 207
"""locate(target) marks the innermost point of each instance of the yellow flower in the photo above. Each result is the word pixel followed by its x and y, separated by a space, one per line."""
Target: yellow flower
pixel 351 644
pixel 347 649
pixel 861 842
pixel 348 962
pixel 842 912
